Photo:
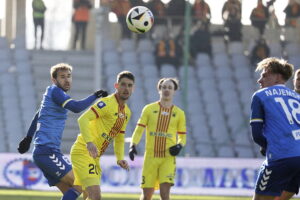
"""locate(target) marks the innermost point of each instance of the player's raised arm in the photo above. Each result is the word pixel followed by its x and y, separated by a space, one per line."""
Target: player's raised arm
pixel 61 98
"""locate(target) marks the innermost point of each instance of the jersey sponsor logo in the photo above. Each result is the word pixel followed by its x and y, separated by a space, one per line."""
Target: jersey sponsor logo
pixel 101 104
pixel 22 173
pixel 121 115
pixel 106 137
pixel 164 113
pixel 296 134
pixel 166 135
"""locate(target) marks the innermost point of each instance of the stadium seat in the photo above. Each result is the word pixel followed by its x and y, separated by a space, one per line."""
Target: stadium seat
pixel 168 70
pixel 235 48
pixel 218 45
pixel 244 152
pixel 146 58
pixel 4 43
pixel 221 60
pixel 225 151
pixel 129 58
pixel 108 45
pixel 205 72
pixel 223 72
pixel 202 59
pixel 150 70
pixel 127 45
pixel 112 69
pixel 111 57
pixel 205 150
pixel 292 49
pixel 145 45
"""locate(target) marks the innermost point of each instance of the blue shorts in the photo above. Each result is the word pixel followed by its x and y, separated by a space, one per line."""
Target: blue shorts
pixel 52 162
pixel 279 175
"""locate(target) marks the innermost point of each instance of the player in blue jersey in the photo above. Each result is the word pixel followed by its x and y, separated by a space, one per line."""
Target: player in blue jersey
pixel 275 123
pixel 292 188
pixel 47 128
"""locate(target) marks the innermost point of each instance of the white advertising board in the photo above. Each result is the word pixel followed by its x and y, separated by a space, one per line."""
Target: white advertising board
pixel 215 176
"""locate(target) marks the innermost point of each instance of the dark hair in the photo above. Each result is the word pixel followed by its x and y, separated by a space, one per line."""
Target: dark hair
pixel 125 74
pixel 276 66
pixel 174 81
pixel 60 66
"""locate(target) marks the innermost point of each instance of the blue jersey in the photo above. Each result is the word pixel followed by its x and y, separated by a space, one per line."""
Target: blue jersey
pixel 52 117
pixel 278 108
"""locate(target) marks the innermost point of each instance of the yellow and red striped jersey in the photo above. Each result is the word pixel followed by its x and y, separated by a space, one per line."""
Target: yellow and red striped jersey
pixel 105 121
pixel 163 125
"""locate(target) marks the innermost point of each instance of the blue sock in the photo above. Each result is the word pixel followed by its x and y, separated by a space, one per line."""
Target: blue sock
pixel 71 194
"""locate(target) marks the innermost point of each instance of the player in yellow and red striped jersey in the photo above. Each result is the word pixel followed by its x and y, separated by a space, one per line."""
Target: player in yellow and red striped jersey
pixel 165 136
pixel 105 121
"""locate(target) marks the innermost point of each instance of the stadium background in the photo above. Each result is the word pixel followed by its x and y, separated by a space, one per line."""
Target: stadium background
pixel 215 94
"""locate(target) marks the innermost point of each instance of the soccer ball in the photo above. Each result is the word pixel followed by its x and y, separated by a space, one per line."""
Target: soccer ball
pixel 139 19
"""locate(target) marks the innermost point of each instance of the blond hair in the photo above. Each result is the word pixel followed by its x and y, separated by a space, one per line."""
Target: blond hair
pixel 276 66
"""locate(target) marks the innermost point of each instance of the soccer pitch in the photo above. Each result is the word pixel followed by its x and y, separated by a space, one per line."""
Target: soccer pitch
pixel 35 195
pixel 45 195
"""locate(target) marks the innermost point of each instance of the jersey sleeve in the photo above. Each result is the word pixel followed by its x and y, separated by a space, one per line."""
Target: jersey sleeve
pixel 60 97
pixel 100 108
pixel 83 122
pixel 181 130
pixel 257 111
pixel 119 146
pixel 140 127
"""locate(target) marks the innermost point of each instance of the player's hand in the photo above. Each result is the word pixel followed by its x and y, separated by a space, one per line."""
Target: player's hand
pixel 93 150
pixel 175 150
pixel 262 151
pixel 24 145
pixel 100 93
pixel 132 151
pixel 123 164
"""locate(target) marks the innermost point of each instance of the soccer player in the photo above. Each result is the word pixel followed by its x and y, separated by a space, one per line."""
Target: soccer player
pixel 47 128
pixel 275 123
pixel 164 122
pixel 105 121
pixel 293 188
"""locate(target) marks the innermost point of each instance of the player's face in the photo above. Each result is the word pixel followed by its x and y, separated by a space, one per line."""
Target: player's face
pixel 63 79
pixel 124 88
pixel 268 79
pixel 167 90
pixel 297 83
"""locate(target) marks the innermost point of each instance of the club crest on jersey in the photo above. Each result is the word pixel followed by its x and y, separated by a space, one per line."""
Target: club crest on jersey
pixel 101 104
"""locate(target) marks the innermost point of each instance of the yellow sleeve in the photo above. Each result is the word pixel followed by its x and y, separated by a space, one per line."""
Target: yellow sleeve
pixel 181 130
pixel 119 140
pixel 83 122
pixel 140 127
pixel 119 146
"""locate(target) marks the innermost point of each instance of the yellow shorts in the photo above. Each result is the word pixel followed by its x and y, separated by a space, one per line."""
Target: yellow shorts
pixel 87 171
pixel 157 171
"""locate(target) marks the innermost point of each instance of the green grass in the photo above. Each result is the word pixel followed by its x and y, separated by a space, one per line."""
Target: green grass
pixel 45 195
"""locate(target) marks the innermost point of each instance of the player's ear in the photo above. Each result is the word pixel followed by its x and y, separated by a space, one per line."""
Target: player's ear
pixel 54 81
pixel 116 85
